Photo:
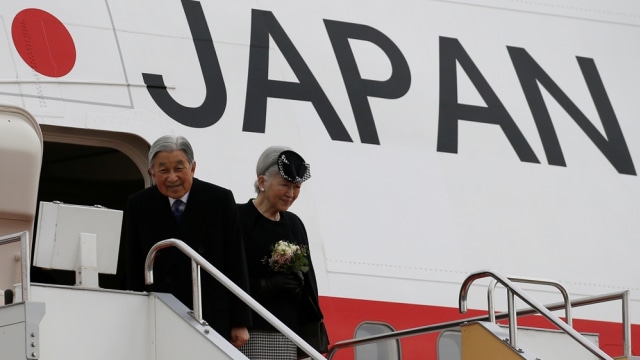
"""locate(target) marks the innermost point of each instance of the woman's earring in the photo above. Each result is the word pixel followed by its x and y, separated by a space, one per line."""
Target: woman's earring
pixel 261 189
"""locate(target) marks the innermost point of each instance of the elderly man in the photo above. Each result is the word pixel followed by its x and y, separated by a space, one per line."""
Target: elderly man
pixel 201 214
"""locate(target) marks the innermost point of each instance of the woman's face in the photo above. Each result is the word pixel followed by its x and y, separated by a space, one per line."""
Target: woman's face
pixel 279 192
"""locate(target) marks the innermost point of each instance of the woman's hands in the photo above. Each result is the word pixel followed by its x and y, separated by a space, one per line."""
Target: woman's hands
pixel 282 283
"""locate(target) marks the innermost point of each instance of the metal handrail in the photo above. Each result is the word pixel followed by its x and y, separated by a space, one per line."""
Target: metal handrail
pixel 197 262
pixel 626 324
pixel 513 325
pixel 26 265
pixel 557 285
pixel 622 295
pixel 531 302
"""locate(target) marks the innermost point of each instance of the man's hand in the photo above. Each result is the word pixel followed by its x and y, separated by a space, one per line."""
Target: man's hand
pixel 239 336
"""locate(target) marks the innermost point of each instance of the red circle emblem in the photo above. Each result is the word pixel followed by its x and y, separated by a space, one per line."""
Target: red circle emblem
pixel 43 42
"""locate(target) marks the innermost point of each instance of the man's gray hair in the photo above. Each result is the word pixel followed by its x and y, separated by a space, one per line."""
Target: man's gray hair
pixel 169 143
pixel 268 163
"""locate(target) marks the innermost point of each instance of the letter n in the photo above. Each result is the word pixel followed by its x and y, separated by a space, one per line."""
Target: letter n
pixel 613 146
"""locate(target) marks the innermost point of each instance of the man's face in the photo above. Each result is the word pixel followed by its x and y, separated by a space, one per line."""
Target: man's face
pixel 172 173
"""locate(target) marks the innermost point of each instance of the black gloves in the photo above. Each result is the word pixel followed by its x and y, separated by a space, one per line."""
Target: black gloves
pixel 286 284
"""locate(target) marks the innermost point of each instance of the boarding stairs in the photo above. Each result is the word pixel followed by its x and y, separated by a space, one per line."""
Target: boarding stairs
pixel 54 322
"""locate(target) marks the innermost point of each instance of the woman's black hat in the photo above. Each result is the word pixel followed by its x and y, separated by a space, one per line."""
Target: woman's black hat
pixel 293 167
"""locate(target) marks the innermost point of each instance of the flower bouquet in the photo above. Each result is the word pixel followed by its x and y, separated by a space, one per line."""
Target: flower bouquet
pixel 288 258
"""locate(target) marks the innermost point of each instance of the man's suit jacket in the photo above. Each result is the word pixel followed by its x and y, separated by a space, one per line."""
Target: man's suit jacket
pixel 211 227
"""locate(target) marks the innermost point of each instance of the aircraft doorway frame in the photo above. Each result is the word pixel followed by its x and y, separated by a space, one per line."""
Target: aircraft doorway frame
pixel 134 147
pixel 89 167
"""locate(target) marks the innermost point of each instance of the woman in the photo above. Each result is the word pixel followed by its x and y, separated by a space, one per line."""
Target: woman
pixel 290 296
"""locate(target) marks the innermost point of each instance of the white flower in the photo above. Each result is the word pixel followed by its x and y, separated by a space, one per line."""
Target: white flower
pixel 288 257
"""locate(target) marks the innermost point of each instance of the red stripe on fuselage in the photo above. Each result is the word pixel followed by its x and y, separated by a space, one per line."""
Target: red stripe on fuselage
pixel 342 317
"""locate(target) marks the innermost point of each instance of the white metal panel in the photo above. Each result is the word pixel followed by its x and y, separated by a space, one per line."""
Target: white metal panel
pixel 96 324
pixel 178 336
pixel 60 228
pixel 12 340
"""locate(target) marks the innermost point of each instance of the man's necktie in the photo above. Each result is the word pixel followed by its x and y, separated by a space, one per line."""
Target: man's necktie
pixel 178 208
